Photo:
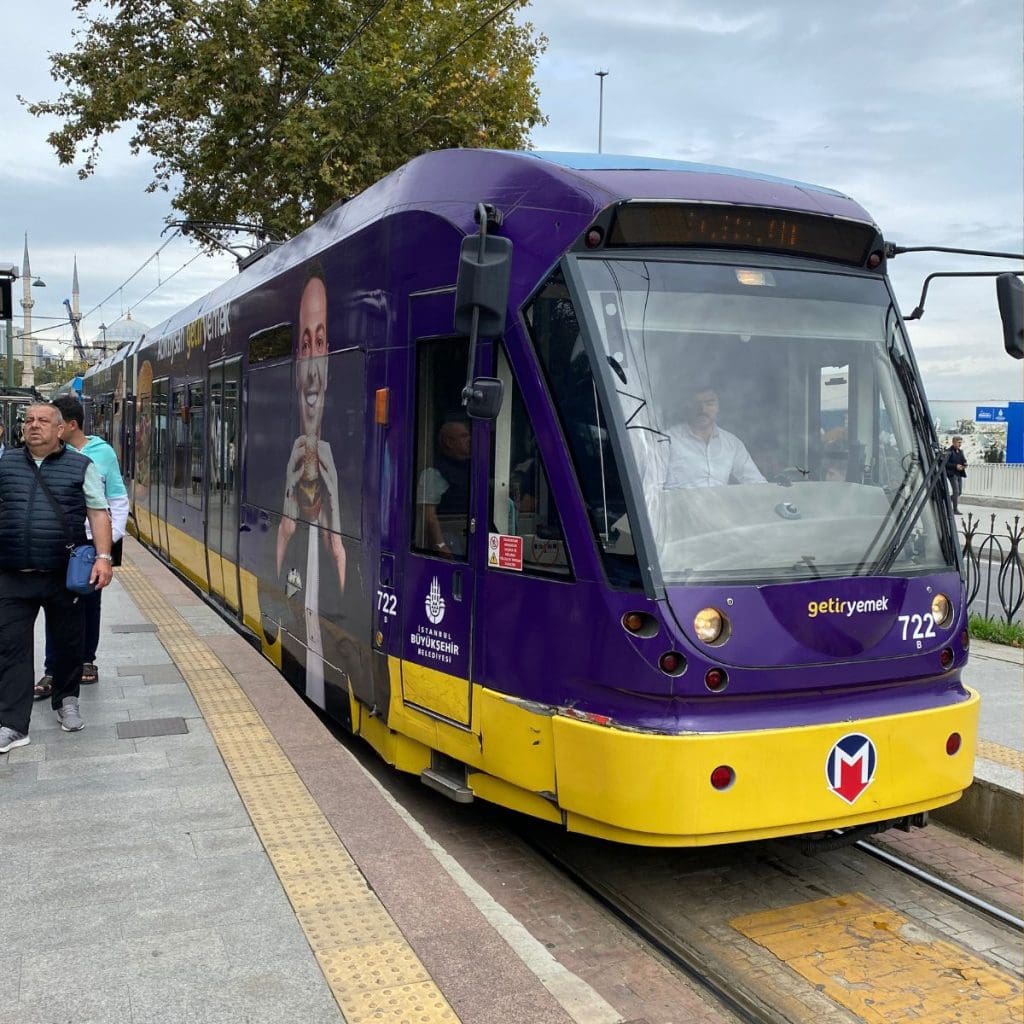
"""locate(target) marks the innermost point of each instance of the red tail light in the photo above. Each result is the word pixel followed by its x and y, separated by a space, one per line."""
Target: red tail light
pixel 716 680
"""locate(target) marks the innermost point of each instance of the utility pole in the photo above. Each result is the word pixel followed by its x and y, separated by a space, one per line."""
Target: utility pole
pixel 600 106
pixel 7 276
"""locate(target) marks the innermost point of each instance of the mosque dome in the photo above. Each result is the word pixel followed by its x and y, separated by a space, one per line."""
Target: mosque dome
pixel 121 332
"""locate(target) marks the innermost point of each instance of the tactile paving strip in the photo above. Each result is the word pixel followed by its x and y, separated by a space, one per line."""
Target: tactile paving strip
pixel 372 971
pixel 882 967
pixel 1006 756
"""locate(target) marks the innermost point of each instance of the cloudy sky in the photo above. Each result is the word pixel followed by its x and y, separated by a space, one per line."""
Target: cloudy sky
pixel 912 107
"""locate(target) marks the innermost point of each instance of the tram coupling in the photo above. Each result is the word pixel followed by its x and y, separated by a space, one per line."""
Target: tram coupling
pixel 825 842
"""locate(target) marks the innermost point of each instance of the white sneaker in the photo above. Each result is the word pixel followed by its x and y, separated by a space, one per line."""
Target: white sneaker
pixel 9 739
pixel 69 716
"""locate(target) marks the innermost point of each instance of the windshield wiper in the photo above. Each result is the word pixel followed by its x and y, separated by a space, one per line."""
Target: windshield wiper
pixel 906 519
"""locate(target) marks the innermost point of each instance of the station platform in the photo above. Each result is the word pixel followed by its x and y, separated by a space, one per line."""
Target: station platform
pixel 993 809
pixel 207 851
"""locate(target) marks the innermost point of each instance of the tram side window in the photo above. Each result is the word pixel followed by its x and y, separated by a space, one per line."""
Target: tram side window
pixel 521 501
pixel 443 450
pixel 857 429
pixel 556 337
pixel 18 427
pixel 196 418
pixel 179 430
pixel 160 442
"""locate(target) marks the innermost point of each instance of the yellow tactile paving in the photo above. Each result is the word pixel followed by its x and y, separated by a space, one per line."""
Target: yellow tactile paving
pixel 407 1004
pixel 342 896
pixel 882 966
pixel 1006 756
pixel 346 924
pixel 371 970
pixel 366 969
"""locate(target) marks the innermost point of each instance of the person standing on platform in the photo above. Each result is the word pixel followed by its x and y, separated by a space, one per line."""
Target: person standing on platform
pixel 105 460
pixel 34 561
pixel 956 471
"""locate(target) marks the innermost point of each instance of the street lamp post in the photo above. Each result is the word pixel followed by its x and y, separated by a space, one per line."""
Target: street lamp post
pixel 601 75
pixel 8 275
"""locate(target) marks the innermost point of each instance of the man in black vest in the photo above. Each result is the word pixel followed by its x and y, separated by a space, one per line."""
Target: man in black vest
pixel 33 566
pixel 443 491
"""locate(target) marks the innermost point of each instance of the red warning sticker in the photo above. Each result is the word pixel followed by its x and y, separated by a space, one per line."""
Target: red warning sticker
pixel 505 551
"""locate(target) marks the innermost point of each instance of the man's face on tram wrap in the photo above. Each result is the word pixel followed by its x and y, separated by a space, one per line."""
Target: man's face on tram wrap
pixel 311 359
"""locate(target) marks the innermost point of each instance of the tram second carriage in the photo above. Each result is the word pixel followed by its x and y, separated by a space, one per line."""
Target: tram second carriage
pixel 552 604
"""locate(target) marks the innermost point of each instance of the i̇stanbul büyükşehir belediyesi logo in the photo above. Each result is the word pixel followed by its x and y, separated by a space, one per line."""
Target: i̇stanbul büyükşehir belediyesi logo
pixel 434 603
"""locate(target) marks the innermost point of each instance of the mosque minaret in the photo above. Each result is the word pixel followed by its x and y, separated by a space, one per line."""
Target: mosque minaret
pixel 27 302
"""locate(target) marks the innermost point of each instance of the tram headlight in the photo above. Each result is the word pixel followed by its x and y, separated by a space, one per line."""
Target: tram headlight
pixel 711 626
pixel 942 610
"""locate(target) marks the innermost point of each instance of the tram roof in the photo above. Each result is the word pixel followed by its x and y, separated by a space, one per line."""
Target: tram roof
pixel 449 183
pixel 619 162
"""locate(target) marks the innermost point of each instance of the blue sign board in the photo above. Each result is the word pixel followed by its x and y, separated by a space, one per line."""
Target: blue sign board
pixel 990 414
pixel 1015 432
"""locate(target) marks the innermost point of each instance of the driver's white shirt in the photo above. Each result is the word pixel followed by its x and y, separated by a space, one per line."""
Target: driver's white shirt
pixel 694 462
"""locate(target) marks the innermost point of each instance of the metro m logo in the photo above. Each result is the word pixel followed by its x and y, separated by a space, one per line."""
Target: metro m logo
pixel 850 766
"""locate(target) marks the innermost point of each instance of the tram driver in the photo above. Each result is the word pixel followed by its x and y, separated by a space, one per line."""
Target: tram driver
pixel 701 453
pixel 443 491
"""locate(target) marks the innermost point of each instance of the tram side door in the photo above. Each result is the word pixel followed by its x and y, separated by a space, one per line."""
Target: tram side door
pixel 160 468
pixel 221 481
pixel 437 586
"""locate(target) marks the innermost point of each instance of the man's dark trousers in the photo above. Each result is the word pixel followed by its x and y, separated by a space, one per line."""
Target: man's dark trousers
pixel 91 606
pixel 22 594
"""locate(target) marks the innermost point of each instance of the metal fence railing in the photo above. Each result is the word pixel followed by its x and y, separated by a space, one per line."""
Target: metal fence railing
pixel 992 563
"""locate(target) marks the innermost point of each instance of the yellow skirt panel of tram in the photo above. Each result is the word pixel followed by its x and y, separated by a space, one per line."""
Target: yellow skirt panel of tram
pixel 661 785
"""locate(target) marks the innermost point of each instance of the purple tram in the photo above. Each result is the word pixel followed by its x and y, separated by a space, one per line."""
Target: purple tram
pixel 687 572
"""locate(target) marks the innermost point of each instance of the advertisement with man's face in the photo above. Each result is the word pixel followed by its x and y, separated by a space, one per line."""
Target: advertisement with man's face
pixel 305 450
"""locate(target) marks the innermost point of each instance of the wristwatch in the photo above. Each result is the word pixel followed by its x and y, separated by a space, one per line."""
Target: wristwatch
pixel 106 558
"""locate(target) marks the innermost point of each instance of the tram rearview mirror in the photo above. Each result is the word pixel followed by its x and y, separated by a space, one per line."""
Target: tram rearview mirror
pixel 1010 293
pixel 483 284
pixel 482 398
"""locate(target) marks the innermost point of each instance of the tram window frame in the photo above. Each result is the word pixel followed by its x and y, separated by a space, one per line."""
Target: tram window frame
pixel 160 443
pixel 556 335
pixel 515 460
pixel 440 369
pixel 179 437
pixel 196 424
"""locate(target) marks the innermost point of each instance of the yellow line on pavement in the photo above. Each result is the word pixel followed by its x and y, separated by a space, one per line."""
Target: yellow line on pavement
pixel 1006 756
pixel 372 971
pixel 882 966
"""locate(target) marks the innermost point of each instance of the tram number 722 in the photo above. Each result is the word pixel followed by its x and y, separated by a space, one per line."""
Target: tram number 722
pixel 923 627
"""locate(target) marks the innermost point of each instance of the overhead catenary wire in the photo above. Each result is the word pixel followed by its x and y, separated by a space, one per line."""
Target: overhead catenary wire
pixel 160 284
pixel 132 276
pixel 59 322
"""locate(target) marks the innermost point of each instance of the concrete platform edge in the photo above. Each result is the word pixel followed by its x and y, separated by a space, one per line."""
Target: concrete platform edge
pixel 990 814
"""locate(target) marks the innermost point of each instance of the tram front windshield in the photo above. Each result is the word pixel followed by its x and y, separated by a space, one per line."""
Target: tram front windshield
pixel 773 419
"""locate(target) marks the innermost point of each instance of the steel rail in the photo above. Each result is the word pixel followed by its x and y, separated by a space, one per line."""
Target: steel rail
pixel 744 1005
pixel 948 888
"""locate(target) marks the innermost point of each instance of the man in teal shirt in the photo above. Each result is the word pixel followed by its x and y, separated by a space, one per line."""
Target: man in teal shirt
pixel 105 461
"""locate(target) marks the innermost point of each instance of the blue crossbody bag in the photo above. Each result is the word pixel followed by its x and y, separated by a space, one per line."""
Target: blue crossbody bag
pixel 80 556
